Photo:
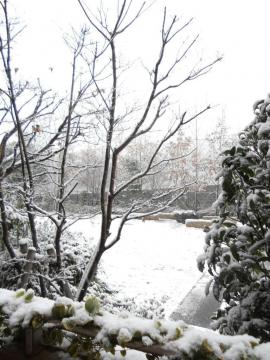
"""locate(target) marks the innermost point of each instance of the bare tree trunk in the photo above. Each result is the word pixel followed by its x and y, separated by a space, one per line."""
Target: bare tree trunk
pixel 22 146
pixel 16 119
pixel 89 273
pixel 32 225
pixel 57 242
pixel 105 200
pixel 62 186
pixel 5 225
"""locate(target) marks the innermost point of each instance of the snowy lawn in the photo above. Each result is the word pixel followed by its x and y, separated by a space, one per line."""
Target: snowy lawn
pixel 153 260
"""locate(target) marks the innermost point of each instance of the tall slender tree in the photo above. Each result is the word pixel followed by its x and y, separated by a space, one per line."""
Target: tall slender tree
pixel 162 82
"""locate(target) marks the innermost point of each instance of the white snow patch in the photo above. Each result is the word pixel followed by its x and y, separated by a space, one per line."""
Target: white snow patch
pixel 147 341
pixel 23 241
pixel 262 351
pixel 24 313
pixel 152 260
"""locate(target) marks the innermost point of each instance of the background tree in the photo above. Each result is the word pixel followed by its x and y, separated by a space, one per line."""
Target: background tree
pixel 216 142
pixel 237 256
pixel 182 150
pixel 89 179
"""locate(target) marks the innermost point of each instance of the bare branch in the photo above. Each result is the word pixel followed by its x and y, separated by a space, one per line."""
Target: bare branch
pixel 120 228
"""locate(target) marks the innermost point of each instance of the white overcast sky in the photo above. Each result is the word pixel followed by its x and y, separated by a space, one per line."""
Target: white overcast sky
pixel 238 29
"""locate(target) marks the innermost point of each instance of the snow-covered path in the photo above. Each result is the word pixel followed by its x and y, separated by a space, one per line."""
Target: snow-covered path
pixel 153 260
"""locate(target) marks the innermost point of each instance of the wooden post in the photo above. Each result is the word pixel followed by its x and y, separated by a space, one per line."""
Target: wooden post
pixel 51 251
pixel 23 244
pixel 30 257
pixel 32 341
pixel 28 341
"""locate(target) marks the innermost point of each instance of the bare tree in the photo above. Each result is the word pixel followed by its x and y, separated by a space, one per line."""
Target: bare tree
pixel 140 122
pixel 95 97
pixel 217 141
pixel 29 145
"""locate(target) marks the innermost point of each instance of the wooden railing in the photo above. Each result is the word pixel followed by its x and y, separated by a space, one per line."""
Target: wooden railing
pixel 33 342
pixel 39 318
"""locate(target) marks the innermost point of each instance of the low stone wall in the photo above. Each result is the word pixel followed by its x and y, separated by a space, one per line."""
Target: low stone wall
pixel 160 216
pixel 198 223
pixel 84 200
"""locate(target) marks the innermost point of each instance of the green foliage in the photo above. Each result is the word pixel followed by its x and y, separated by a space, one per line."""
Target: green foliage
pixel 29 295
pixel 238 254
pixel 6 331
pixel 178 333
pixel 20 293
pixel 92 305
pixel 80 345
pixel 59 311
pixel 53 337
pixel 69 324
pixel 37 321
pixel 123 352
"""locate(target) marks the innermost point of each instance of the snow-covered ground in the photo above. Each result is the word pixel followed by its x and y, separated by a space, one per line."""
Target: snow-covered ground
pixel 153 260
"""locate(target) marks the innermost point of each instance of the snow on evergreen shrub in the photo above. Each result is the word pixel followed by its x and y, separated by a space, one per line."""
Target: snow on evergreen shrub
pixel 238 255
pixel 175 338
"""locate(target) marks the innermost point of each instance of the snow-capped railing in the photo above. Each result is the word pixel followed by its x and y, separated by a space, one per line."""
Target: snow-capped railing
pixel 85 320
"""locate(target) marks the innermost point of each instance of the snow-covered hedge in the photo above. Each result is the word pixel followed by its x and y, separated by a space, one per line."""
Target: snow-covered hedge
pixel 169 339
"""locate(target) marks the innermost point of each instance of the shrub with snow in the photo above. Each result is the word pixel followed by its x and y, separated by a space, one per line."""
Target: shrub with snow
pixel 100 335
pixel 74 260
pixel 238 255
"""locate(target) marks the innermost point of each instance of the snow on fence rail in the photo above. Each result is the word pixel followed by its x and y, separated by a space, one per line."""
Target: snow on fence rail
pixel 198 223
pixel 160 216
pixel 86 320
pixel 202 223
